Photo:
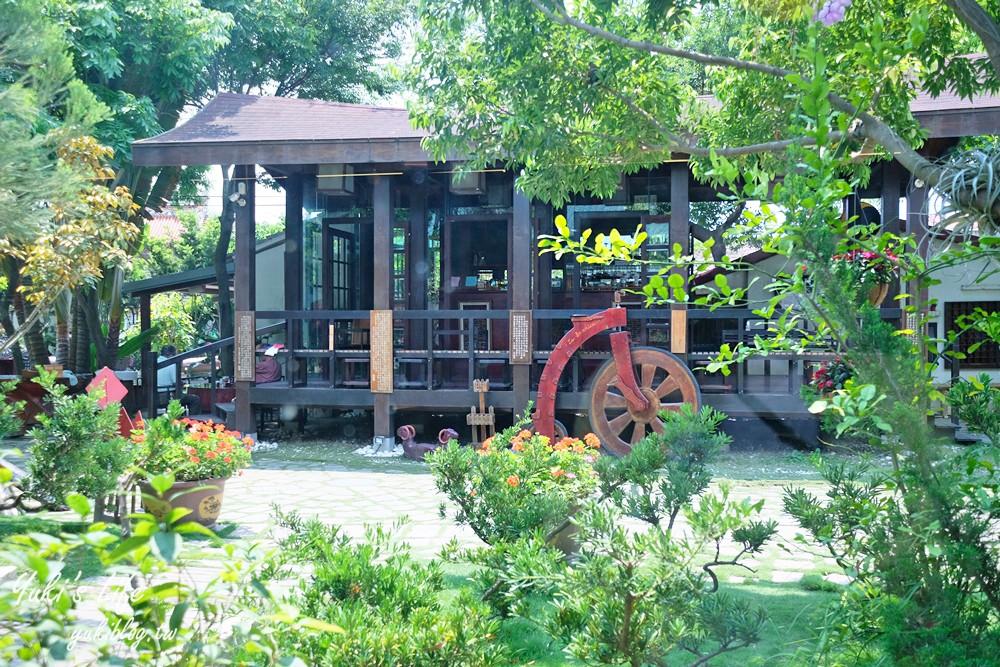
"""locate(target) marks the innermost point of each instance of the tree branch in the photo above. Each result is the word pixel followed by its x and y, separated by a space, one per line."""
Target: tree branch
pixel 872 127
pixel 976 19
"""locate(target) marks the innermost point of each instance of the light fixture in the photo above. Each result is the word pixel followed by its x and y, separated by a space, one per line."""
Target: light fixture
pixel 234 197
pixel 241 187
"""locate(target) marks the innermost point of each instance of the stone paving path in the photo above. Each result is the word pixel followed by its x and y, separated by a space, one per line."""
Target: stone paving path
pixel 354 499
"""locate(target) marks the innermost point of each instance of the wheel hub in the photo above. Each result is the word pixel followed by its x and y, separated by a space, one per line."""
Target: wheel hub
pixel 649 413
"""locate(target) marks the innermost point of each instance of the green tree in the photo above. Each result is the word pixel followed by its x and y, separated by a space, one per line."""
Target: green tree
pixel 44 111
pixel 578 93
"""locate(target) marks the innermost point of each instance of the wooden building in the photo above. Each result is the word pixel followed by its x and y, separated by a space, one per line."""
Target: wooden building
pixel 401 278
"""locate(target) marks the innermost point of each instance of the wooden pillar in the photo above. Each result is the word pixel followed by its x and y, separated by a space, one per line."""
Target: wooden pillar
pixel 382 282
pixel 680 232
pixel 417 266
pixel 245 281
pixel 296 371
pixel 519 287
pixel 916 226
pixel 891 172
pixel 147 357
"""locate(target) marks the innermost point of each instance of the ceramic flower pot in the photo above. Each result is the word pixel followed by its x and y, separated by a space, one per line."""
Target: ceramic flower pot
pixel 877 294
pixel 202 497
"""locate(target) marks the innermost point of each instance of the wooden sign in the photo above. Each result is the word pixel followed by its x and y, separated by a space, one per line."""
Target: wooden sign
pixel 520 337
pixel 678 331
pixel 381 351
pixel 245 341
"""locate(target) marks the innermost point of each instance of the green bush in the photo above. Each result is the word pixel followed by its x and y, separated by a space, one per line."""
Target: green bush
pixel 517 483
pixel 387 605
pixel 77 449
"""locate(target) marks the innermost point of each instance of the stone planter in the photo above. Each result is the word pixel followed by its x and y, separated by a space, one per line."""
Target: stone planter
pixel 202 497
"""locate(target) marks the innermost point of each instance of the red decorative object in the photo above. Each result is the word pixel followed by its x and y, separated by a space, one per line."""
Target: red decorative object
pixel 114 390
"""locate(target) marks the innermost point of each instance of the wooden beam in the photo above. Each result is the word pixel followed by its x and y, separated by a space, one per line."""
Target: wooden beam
pixel 356 151
pixel 245 281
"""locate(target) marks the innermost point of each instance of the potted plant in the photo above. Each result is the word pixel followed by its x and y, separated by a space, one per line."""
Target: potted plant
pixel 872 270
pixel 201 456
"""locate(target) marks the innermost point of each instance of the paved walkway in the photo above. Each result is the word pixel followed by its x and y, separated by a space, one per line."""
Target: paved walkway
pixel 354 499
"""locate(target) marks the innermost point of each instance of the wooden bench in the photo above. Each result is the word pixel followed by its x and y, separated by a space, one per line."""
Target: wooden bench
pixel 227 412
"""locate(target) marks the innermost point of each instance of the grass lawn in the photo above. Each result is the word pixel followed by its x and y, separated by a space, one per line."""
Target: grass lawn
pixel 80 562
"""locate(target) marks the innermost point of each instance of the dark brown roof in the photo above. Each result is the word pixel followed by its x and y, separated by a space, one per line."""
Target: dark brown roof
pixel 247 129
pixel 232 117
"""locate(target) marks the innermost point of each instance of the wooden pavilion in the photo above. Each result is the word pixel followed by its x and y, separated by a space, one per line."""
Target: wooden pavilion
pixel 403 281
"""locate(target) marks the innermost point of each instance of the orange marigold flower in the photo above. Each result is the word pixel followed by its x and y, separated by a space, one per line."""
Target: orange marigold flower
pixel 518 446
pixel 472 493
pixel 513 480
pixel 195 459
pixel 592 441
pixel 488 442
pixel 248 441
pixel 227 459
pixel 578 447
pixel 557 472
pixel 211 455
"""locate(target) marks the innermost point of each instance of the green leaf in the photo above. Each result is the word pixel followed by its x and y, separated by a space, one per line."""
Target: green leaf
pixel 167 546
pixel 162 483
pixel 675 281
pixel 177 615
pixel 79 504
pixel 818 406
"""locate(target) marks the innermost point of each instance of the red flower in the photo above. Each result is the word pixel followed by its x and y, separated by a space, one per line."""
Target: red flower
pixel 513 480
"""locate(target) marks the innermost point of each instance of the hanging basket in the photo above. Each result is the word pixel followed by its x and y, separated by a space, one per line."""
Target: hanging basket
pixel 877 294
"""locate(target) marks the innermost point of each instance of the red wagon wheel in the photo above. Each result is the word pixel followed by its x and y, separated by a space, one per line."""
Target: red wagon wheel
pixel 664 380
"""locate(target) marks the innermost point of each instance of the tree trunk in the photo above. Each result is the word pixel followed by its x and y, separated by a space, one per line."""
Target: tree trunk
pixel 38 352
pixel 226 315
pixel 81 336
pixel 6 304
pixel 62 343
pixel 92 316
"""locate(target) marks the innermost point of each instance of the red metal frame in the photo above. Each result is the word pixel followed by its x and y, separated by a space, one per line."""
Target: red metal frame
pixel 584 328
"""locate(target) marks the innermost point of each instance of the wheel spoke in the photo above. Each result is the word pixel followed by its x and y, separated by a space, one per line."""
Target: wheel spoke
pixel 671 407
pixel 657 425
pixel 638 433
pixel 667 387
pixel 648 372
pixel 615 401
pixel 618 424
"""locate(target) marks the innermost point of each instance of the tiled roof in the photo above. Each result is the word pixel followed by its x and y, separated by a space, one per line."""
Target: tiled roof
pixel 248 118
pixel 949 101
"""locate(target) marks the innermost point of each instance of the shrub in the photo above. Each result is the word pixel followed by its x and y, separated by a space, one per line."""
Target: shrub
pixel 77 449
pixel 665 471
pixel 518 482
pixel 387 605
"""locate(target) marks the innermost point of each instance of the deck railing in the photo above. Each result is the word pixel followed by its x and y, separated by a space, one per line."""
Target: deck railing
pixel 450 348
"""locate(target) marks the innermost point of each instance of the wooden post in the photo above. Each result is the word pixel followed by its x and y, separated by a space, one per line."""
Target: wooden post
pixel 680 232
pixel 245 281
pixel 382 283
pixel 519 289
pixel 890 213
pixel 296 371
pixel 147 358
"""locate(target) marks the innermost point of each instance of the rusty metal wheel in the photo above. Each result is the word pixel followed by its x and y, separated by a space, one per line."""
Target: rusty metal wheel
pixel 665 381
